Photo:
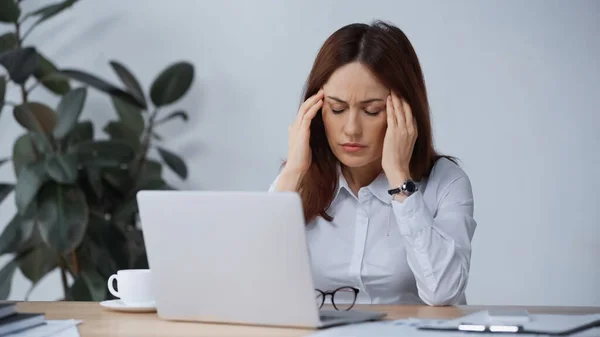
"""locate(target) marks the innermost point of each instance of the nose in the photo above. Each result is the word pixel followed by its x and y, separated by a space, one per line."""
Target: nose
pixel 352 124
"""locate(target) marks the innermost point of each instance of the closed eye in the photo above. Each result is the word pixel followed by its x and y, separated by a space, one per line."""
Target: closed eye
pixel 374 113
pixel 337 111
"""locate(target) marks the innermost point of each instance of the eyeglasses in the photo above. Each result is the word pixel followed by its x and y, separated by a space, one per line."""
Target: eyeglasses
pixel 342 298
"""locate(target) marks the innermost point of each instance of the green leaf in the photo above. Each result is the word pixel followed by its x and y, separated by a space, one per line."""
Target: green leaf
pixel 177 114
pixel 118 178
pixel 88 286
pixel 120 131
pixel 6 277
pixel 174 162
pixel 126 211
pixel 62 168
pixel 129 115
pixel 152 170
pixel 9 11
pixel 2 92
pixel 16 234
pixel 49 11
pixel 62 216
pixel 38 263
pixel 102 85
pixel 68 110
pixel 23 152
pixel 5 190
pixel 30 180
pixel 104 153
pixel 81 132
pixel 172 83
pixel 94 178
pixel 47 74
pixel 20 63
pixel 130 81
pixel 8 41
pixel 35 117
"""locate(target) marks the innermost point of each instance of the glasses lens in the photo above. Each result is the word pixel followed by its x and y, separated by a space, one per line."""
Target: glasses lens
pixel 319 298
pixel 344 298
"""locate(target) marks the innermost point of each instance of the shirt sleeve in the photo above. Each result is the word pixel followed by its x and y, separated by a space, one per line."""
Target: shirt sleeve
pixel 438 244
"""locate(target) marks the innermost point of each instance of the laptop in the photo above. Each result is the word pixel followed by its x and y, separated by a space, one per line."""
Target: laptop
pixel 235 258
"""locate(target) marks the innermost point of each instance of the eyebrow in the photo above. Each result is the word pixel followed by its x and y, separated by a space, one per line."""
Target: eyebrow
pixel 362 102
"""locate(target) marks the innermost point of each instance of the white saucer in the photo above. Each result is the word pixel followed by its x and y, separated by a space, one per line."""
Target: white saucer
pixel 118 305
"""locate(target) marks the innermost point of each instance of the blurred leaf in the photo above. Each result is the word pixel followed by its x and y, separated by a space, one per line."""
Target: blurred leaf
pixel 174 162
pixel 88 286
pixel 126 211
pixel 81 132
pixel 172 83
pixel 31 178
pixel 38 263
pixel 130 81
pixel 95 243
pixel 157 136
pixel 102 85
pixel 10 12
pixel 6 277
pixel 177 114
pixel 152 170
pixel 23 152
pixel 8 41
pixel 20 63
pixel 62 216
pixel 68 110
pixel 103 153
pixel 49 11
pixel 5 190
pixel 34 116
pixel 16 234
pixel 129 115
pixel 120 131
pixel 94 178
pixel 118 178
pixel 47 74
pixel 2 92
pixel 62 167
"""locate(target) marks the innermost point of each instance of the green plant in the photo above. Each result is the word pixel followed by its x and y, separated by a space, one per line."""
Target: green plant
pixel 75 192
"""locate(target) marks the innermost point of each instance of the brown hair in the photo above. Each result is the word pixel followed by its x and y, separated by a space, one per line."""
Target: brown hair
pixel 388 53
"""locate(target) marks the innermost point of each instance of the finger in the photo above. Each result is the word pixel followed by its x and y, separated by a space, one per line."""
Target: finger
pixel 309 102
pixel 408 116
pixel 389 108
pixel 311 113
pixel 398 111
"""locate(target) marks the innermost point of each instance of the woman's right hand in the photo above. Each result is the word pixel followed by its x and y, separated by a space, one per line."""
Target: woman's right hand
pixel 299 153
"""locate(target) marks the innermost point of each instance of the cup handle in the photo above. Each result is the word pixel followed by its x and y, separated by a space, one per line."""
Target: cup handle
pixel 112 290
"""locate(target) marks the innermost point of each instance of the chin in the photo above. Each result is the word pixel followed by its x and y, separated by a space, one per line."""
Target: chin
pixel 353 161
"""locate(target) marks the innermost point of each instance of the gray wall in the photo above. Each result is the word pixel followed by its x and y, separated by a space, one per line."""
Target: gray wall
pixel 514 88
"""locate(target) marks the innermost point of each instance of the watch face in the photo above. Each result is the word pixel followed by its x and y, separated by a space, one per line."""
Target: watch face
pixel 410 186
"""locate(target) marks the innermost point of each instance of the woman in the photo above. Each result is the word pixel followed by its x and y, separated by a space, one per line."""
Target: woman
pixel 386 214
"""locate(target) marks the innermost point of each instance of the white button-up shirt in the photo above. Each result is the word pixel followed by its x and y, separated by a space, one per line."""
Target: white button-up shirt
pixel 413 252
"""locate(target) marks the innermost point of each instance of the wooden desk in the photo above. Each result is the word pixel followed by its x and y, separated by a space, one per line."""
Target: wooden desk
pixel 98 321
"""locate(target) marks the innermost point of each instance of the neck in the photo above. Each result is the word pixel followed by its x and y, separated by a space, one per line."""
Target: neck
pixel 358 177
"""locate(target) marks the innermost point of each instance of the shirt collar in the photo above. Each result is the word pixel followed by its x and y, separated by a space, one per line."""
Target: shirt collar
pixel 379 187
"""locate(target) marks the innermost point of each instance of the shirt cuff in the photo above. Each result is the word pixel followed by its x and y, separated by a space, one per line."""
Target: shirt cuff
pixel 412 214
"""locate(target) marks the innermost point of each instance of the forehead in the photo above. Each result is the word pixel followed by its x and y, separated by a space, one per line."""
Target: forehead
pixel 354 81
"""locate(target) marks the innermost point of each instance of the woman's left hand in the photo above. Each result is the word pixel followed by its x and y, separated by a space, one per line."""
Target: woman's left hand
pixel 399 140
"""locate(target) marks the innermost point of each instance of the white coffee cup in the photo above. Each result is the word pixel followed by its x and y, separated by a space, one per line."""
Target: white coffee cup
pixel 134 287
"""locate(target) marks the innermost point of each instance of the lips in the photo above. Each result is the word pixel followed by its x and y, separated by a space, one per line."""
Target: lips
pixel 352 147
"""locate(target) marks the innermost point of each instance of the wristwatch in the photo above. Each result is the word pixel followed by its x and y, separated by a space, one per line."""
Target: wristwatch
pixel 409 187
